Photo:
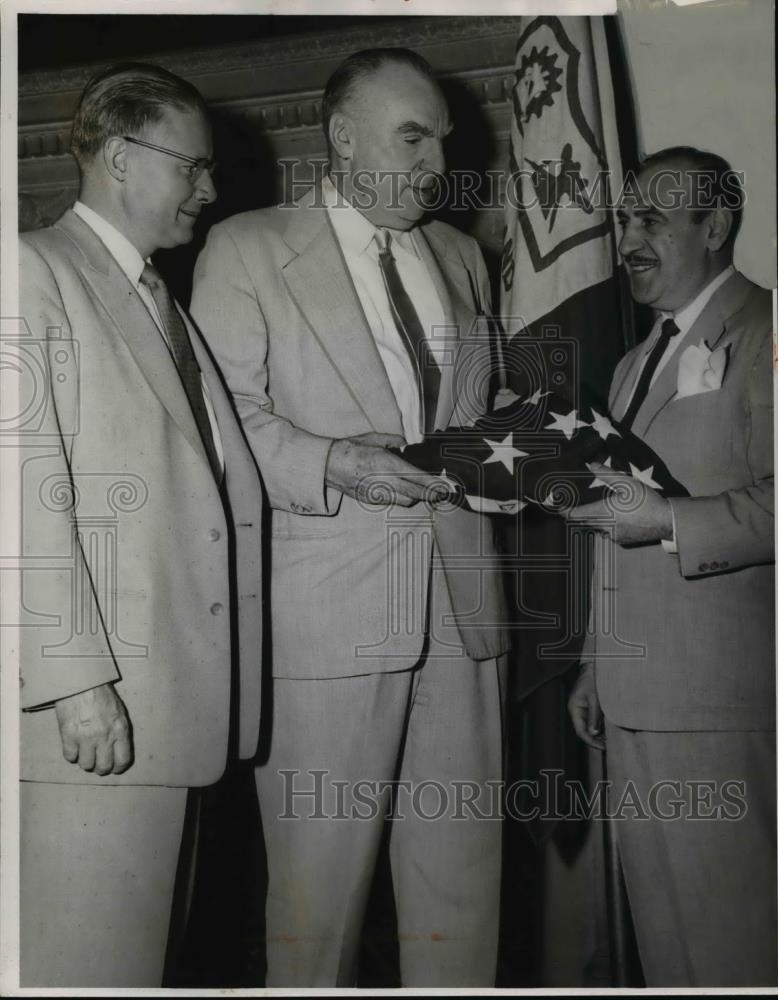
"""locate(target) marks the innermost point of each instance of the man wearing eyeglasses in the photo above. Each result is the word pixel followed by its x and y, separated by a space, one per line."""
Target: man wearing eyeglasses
pixel 141 519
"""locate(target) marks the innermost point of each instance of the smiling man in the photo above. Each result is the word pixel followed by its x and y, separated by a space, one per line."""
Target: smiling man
pixel 138 491
pixel 685 674
pixel 337 321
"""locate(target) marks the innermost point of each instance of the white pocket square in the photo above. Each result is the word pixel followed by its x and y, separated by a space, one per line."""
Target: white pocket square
pixel 701 370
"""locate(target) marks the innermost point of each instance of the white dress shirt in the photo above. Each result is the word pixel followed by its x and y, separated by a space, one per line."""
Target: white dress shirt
pixel 357 238
pixel 684 318
pixel 131 262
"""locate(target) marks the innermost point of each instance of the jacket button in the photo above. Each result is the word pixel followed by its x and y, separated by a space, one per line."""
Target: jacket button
pixel 214 535
pixel 295 506
pixel 714 565
pixel 724 564
pixel 704 567
pixel 216 609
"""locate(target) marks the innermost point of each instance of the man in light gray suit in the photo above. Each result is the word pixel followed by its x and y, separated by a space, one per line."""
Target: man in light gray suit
pixel 339 321
pixel 685 677
pixel 135 643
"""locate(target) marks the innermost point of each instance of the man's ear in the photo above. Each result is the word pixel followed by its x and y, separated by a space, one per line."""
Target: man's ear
pixel 115 157
pixel 342 134
pixel 718 227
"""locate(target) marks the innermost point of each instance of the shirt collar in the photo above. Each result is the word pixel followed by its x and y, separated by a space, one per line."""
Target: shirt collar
pixel 687 316
pixel 354 231
pixel 120 248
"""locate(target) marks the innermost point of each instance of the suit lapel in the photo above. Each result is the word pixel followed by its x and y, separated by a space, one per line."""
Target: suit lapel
pixel 621 393
pixel 449 275
pixel 710 327
pixel 318 280
pixel 126 310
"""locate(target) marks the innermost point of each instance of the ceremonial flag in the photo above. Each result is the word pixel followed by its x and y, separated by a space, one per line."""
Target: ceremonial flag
pixel 535 451
pixel 559 273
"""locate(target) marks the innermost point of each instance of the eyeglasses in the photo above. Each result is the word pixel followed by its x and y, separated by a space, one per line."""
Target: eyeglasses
pixel 196 165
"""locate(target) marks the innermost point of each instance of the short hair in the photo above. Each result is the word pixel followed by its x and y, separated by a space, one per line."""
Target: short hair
pixel 358 67
pixel 122 100
pixel 724 188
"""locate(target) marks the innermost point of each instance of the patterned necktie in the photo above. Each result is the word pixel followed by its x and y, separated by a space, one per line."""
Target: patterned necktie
pixel 183 355
pixel 411 332
pixel 669 330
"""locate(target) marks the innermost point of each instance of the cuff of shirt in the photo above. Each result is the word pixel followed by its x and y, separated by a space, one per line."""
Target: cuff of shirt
pixel 670 544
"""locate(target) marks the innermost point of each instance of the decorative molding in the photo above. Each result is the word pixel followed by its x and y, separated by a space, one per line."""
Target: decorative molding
pixel 410 31
pixel 281 113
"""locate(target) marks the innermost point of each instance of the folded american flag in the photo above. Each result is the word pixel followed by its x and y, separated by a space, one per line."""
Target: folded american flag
pixel 535 450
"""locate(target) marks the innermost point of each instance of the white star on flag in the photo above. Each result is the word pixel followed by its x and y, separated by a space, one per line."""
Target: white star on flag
pixel 603 426
pixel 503 451
pixel 644 475
pixel 566 424
pixel 601 482
pixel 536 397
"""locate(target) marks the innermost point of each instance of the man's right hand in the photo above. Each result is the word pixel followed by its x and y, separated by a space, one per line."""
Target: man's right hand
pixel 95 730
pixel 584 708
pixel 362 468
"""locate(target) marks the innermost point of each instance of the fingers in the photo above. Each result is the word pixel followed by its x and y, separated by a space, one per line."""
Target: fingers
pixel 580 717
pixel 595 742
pixel 69 747
pixel 103 758
pixel 594 729
pixel 122 755
pixel 586 512
pixel 385 490
pixel 95 731
pixel 87 755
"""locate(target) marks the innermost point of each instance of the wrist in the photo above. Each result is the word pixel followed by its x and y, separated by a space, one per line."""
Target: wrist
pixel 333 467
pixel 667 524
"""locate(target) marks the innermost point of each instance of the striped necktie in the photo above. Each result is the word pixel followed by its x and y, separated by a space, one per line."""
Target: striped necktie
pixel 183 355
pixel 411 332
pixel 669 330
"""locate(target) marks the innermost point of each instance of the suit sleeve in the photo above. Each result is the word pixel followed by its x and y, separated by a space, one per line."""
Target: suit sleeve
pixel 227 308
pixel 56 577
pixel 735 528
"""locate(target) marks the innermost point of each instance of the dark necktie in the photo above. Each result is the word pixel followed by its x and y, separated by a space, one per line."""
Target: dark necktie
pixel 669 330
pixel 183 355
pixel 409 327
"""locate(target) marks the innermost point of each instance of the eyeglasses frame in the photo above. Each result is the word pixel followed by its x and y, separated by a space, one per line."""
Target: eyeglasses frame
pixel 201 162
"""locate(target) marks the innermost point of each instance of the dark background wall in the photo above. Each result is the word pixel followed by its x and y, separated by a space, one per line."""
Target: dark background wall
pixel 263 77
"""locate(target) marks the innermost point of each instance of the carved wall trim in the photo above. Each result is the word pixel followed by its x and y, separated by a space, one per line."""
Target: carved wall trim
pixel 403 31
pixel 278 113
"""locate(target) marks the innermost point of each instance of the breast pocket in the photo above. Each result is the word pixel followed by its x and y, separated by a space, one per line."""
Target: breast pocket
pixel 286 524
pixel 704 431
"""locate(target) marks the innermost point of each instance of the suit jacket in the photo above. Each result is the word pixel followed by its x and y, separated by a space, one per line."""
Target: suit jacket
pixel 273 296
pixel 130 574
pixel 692 642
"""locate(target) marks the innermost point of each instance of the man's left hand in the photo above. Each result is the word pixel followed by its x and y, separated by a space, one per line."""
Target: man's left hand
pixel 640 517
